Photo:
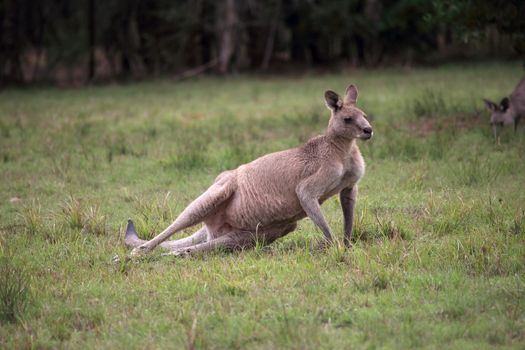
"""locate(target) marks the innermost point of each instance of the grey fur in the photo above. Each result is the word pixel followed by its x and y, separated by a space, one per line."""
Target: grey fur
pixel 263 200
pixel 510 110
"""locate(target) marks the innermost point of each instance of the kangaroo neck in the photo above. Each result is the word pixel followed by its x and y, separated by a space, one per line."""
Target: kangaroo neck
pixel 342 145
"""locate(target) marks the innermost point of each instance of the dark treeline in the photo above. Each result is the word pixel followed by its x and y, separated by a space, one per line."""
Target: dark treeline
pixel 74 42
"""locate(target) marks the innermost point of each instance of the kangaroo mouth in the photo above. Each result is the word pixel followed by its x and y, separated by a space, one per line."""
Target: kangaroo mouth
pixel 366 136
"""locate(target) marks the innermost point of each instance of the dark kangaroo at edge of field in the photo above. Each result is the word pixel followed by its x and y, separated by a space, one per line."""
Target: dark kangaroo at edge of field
pixel 510 110
pixel 262 200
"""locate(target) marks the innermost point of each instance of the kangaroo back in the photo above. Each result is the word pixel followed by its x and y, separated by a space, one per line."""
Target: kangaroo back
pixel 517 99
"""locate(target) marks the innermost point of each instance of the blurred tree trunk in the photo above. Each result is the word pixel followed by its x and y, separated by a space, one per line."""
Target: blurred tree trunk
pixel 270 41
pixel 133 36
pixel 40 25
pixel 227 25
pixel 11 43
pixel 91 39
pixel 130 41
pixel 373 48
pixel 298 39
pixel 359 56
pixel 206 35
pixel 195 44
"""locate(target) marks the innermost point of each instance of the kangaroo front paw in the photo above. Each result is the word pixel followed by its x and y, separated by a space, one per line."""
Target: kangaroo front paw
pixel 140 250
pixel 182 253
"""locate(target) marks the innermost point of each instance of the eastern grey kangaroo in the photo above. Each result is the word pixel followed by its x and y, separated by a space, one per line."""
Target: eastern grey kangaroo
pixel 510 109
pixel 264 199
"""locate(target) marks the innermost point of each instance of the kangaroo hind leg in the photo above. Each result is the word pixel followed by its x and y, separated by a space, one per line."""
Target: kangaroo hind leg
pixel 132 240
pixel 233 240
pixel 229 241
pixel 196 212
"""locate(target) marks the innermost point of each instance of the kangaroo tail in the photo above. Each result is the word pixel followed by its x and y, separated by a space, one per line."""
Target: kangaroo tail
pixel 131 239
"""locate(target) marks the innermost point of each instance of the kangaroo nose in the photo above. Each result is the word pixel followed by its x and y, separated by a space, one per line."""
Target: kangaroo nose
pixel 367 130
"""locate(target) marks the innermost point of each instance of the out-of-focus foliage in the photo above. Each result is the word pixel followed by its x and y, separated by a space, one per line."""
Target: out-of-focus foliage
pixel 59 40
pixel 471 18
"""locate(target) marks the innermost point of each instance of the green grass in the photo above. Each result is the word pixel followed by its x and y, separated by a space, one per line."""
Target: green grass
pixel 439 259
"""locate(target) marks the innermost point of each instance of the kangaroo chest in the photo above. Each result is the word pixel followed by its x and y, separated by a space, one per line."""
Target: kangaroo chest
pixel 352 170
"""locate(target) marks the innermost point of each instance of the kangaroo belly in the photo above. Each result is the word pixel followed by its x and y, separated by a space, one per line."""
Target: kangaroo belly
pixel 252 207
pixel 263 199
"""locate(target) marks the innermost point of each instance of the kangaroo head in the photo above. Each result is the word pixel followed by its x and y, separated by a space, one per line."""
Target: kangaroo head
pixel 500 114
pixel 347 121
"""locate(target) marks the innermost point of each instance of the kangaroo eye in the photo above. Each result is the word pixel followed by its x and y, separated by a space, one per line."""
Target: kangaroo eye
pixel 348 120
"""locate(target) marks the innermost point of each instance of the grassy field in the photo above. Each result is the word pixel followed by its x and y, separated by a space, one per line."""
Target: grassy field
pixel 439 259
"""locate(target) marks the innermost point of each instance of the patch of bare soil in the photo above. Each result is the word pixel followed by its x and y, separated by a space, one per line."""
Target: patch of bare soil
pixel 427 126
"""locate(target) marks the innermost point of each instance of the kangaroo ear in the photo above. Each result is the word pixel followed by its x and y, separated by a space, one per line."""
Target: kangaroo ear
pixel 504 104
pixel 351 95
pixel 332 100
pixel 490 105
